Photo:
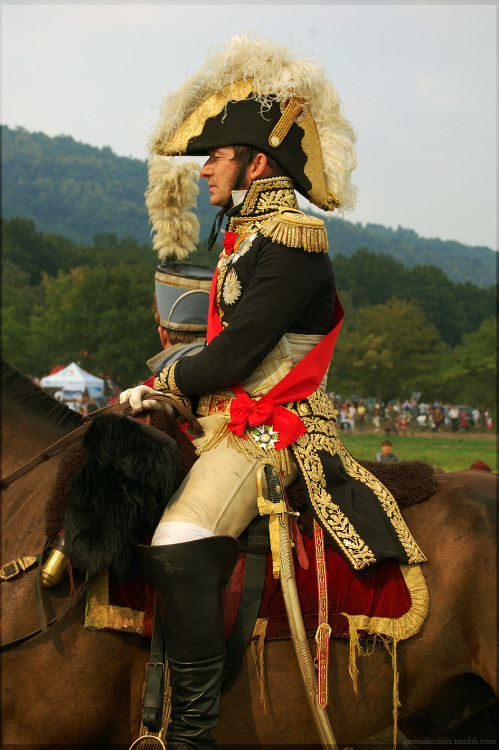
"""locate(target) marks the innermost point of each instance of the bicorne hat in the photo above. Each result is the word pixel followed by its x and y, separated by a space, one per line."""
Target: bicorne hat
pixel 257 93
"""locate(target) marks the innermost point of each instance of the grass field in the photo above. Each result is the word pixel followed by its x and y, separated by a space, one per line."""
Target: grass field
pixel 448 451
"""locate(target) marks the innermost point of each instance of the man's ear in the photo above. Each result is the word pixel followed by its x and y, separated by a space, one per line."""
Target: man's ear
pixel 259 167
pixel 163 335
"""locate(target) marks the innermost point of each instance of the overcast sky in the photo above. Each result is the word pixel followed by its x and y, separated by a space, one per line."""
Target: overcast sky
pixel 417 81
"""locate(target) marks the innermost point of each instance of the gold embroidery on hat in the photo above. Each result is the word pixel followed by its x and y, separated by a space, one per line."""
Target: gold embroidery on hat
pixel 314 166
pixel 194 123
pixel 292 111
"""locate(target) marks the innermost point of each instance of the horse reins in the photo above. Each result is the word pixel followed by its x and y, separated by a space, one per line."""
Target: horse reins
pixel 73 436
pixel 43 629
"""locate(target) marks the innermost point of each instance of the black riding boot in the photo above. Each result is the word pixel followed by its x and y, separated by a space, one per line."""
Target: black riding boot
pixel 188 579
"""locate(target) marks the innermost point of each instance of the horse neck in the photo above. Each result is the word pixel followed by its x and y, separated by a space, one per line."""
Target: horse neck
pixel 24 436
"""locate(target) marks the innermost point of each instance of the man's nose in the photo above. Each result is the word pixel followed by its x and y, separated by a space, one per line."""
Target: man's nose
pixel 206 169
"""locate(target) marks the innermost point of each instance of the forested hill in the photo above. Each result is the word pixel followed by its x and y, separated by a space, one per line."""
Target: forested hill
pixel 78 191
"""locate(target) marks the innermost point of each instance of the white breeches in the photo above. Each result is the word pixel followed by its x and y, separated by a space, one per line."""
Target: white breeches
pixel 218 497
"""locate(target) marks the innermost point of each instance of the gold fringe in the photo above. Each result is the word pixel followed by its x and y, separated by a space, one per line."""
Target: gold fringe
pixel 390 631
pixel 246 446
pixel 296 229
pixel 216 436
pixel 356 650
pixel 396 701
pixel 257 647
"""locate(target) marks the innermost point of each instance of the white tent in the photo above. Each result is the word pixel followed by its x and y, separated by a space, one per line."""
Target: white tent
pixel 72 380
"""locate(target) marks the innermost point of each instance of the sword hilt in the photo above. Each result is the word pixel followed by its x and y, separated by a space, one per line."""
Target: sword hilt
pixel 274 489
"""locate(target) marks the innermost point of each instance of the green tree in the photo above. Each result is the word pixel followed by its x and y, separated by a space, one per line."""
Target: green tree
pixel 386 352
pixel 453 308
pixel 18 301
pixel 15 339
pixel 372 278
pixel 468 373
pixel 100 317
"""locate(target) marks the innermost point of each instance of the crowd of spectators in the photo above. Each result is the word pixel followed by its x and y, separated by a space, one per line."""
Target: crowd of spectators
pixel 393 418
pixel 400 417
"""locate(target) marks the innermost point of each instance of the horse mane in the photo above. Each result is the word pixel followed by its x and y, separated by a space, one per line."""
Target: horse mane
pixel 26 394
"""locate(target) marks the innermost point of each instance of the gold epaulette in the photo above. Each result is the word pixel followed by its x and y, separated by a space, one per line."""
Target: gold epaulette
pixel 296 229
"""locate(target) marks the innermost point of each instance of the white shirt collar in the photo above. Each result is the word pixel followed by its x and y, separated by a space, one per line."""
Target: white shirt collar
pixel 238 196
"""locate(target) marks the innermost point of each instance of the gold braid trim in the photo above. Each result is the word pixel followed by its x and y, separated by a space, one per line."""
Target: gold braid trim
pixel 165 382
pixel 391 630
pixel 296 229
pixel 317 414
pixel 99 614
pixel 388 502
pixel 246 446
pixel 407 625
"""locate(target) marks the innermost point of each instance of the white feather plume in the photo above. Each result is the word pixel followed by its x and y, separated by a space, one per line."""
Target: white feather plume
pixel 172 192
pixel 278 72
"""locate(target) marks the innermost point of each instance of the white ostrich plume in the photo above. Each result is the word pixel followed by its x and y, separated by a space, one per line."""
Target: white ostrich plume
pixel 172 192
pixel 278 72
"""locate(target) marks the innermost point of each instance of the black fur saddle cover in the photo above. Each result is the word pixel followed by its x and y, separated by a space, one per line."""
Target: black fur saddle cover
pixel 117 494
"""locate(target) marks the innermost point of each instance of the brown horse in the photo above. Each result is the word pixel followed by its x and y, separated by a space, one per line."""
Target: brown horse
pixel 76 687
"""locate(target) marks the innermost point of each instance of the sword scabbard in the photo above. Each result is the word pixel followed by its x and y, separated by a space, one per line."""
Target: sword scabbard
pixel 292 602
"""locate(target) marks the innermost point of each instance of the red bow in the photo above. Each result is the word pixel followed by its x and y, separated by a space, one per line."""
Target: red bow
pixel 248 411
pixel 229 241
pixel 245 410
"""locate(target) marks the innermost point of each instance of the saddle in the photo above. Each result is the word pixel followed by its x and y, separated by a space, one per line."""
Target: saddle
pixel 112 449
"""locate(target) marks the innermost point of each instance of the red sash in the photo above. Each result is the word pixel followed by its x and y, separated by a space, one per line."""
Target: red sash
pixel 303 379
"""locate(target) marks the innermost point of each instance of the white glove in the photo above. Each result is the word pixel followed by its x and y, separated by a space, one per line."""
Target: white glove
pixel 139 401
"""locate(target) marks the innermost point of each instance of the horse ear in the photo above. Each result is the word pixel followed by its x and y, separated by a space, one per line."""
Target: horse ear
pixel 118 494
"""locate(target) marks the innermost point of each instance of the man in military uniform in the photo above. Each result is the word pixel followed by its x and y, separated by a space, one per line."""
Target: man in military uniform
pixel 181 312
pixel 270 124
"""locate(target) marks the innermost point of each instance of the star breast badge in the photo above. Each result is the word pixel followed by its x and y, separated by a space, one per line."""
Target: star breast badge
pixel 265 435
pixel 232 288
